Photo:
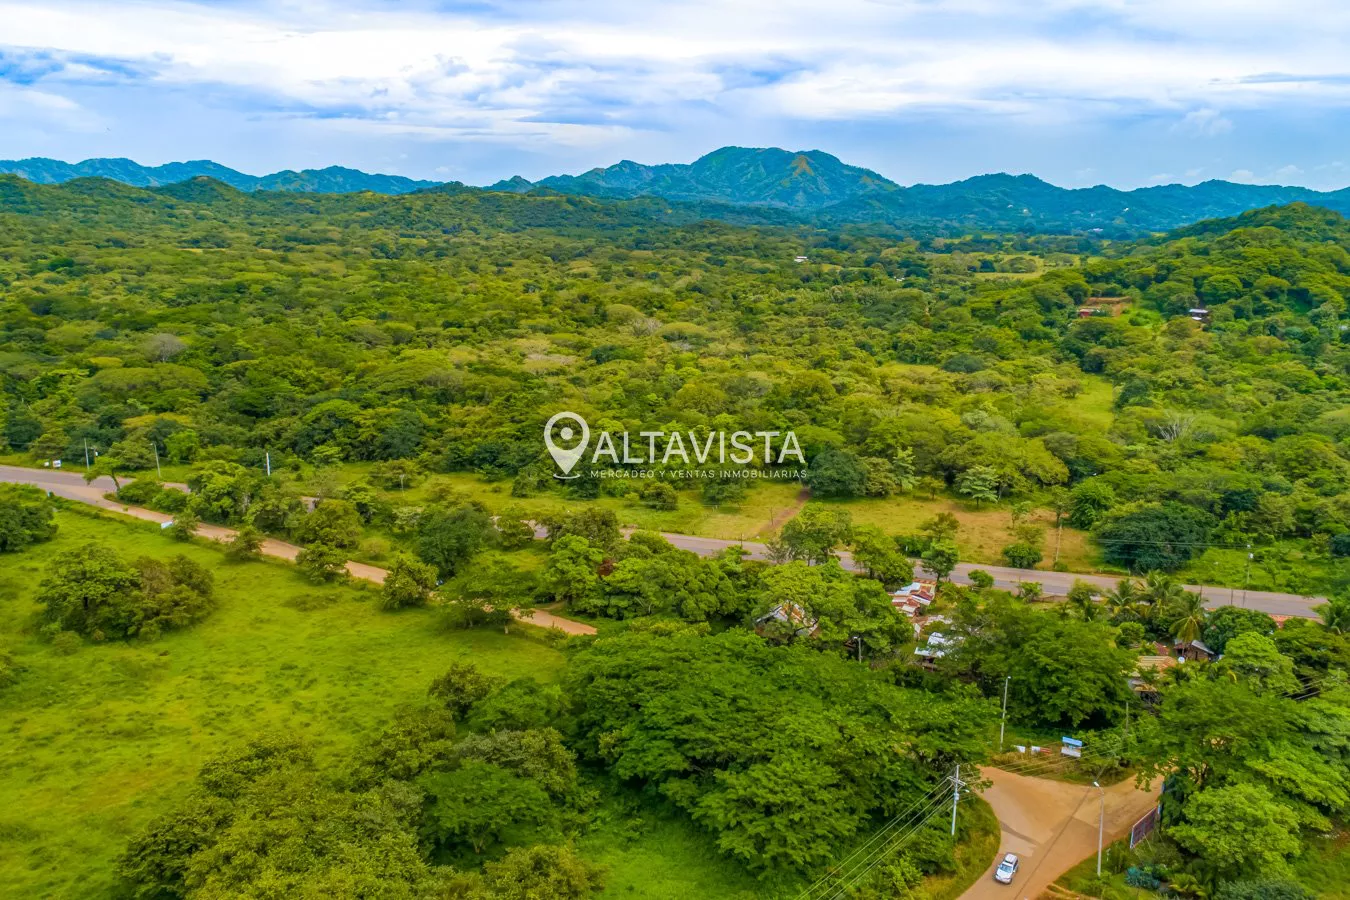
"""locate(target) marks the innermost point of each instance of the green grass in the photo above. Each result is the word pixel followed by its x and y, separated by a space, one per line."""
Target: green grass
pixel 97 743
pixel 665 857
pixel 1325 867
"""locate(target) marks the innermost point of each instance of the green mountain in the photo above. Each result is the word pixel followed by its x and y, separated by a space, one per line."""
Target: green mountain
pixel 747 185
pixel 332 180
pixel 806 180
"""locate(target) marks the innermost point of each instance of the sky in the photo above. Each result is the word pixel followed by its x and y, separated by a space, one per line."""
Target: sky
pixel 1078 92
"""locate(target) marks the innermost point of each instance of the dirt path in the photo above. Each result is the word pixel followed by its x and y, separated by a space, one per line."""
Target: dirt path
pixel 778 519
pixel 73 487
pixel 1052 826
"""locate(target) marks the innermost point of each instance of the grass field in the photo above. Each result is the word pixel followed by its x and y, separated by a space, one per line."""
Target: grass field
pixel 97 743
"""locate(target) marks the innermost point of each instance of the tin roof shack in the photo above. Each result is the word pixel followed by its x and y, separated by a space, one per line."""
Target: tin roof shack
pixel 786 620
pixel 1147 669
pixel 927 655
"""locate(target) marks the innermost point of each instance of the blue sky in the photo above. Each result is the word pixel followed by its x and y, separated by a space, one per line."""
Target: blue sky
pixel 1079 92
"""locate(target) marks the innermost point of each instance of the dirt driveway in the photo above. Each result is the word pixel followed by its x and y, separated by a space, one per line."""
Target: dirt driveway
pixel 1052 826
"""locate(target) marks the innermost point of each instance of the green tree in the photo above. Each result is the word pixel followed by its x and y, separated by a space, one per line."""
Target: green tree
pixel 1159 537
pixel 546 872
pixel 246 545
pixel 979 483
pixel 449 536
pixel 90 591
pixel 1185 617
pixel 879 557
pixel 408 583
pixel 481 805
pixel 184 525
pixel 814 533
pixel 1238 829
pixel 461 687
pixel 940 559
pixel 27 517
pixel 573 570
pixel 336 523
pixel 321 563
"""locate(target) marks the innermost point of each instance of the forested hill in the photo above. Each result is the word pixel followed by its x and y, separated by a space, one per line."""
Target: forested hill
pixel 776 186
pixel 330 180
pixel 442 327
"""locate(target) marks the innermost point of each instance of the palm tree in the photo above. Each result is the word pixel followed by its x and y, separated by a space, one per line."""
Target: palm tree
pixel 1161 592
pixel 1186 617
pixel 1335 614
pixel 1124 601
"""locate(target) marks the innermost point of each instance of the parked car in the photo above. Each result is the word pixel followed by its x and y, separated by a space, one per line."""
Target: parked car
pixel 1006 869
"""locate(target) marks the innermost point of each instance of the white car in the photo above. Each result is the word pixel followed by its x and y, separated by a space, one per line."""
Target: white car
pixel 1006 869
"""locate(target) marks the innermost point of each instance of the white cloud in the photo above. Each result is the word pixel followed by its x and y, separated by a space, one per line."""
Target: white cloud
pixel 1242 176
pixel 408 69
pixel 1204 123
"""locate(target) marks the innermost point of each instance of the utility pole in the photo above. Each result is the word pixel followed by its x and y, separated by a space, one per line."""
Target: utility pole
pixel 858 638
pixel 1004 722
pixel 155 447
pixel 267 455
pixel 86 454
pixel 956 795
pixel 1247 577
pixel 1101 826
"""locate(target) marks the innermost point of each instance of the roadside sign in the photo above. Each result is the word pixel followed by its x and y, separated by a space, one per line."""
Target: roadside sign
pixel 1071 747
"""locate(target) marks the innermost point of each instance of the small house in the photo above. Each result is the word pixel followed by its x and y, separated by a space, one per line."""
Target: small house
pixel 800 259
pixel 784 619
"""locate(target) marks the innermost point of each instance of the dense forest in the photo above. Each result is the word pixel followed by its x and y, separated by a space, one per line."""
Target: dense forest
pixel 438 331
pixel 369 377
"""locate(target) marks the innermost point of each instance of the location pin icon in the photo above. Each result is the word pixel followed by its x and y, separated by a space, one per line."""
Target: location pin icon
pixel 564 457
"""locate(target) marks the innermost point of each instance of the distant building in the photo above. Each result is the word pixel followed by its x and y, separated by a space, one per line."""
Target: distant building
pixel 785 619
pixel 1199 315
pixel 914 597
pixel 800 259
pixel 927 655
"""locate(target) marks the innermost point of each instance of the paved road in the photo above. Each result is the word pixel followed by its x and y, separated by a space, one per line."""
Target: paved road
pixel 72 486
pixel 1052 826
pixel 1055 584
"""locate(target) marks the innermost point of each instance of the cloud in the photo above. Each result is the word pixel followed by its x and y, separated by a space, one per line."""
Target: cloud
pixel 1204 123
pixel 605 74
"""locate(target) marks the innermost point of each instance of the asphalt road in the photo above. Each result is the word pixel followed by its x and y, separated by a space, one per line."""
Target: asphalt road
pixel 1055 584
pixel 71 485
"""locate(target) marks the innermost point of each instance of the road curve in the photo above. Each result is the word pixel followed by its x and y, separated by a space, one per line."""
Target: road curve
pixel 72 486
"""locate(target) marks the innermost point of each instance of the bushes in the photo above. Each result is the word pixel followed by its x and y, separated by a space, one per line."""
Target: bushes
pixel 91 591
pixel 26 517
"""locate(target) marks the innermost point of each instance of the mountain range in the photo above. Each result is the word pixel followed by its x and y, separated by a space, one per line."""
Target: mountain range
pixel 811 187
pixel 332 180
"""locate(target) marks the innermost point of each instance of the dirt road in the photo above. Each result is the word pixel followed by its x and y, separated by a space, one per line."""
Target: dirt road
pixel 1051 826
pixel 73 487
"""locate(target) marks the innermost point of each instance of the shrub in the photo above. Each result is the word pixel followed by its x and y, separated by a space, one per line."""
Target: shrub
pixel 245 546
pixel 26 517
pixel 322 564
pixel 409 583
pixel 140 492
pixel 1022 555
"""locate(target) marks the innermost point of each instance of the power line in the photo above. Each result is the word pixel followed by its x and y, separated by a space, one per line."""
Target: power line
pixel 937 793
